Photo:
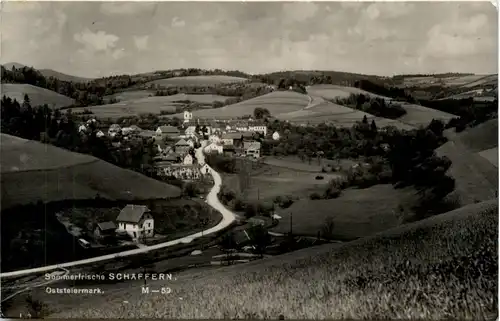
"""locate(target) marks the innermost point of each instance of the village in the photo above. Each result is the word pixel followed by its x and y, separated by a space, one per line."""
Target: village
pixel 174 158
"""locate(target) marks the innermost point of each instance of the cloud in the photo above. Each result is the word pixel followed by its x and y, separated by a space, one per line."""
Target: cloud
pixel 20 6
pixel 299 11
pixel 98 41
pixel 141 42
pixel 126 8
pixel 177 22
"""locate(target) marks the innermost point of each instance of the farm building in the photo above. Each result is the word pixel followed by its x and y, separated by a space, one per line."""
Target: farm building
pixel 105 229
pixel 276 136
pixel 252 149
pixel 214 138
pixel 231 139
pixel 167 131
pixel 257 128
pixel 213 148
pixel 136 221
pixel 182 146
pixel 229 150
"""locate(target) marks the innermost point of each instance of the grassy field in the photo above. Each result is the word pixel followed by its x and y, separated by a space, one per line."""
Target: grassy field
pixel 131 95
pixel 29 175
pixel 356 213
pixel 277 102
pixel 465 81
pixel 38 96
pixel 415 115
pixel 197 81
pixel 337 115
pixel 476 178
pixel 268 182
pixel 445 267
pixel 155 105
pixel 484 136
pixel 491 155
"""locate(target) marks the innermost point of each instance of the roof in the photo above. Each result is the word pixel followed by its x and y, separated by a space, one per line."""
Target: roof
pixel 247 134
pixel 169 129
pixel 181 142
pixel 147 133
pixel 104 226
pixel 132 213
pixel 229 147
pixel 115 127
pixel 232 136
pixel 172 156
pixel 135 127
pixel 251 145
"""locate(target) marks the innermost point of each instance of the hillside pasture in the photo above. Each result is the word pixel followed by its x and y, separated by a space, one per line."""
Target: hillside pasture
pixel 456 81
pixel 276 102
pixel 334 92
pixel 271 181
pixel 197 81
pixel 444 267
pixel 476 178
pixel 491 155
pixel 154 105
pixel 38 96
pixel 483 136
pixel 355 213
pixel 33 172
pixel 130 95
pixel 417 115
pixel 337 115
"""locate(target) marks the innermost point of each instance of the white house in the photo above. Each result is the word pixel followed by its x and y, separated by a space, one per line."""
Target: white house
pixel 187 116
pixel 188 160
pixel 212 148
pixel 214 138
pixel 258 128
pixel 276 136
pixel 190 131
pixel 136 221
pixel 190 142
pixel 241 127
pixel 205 169
pixel 82 128
pixel 99 134
pixel 114 129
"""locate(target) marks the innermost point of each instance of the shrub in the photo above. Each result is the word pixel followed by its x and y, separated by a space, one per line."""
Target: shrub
pixel 332 192
pixel 315 196
pixel 319 177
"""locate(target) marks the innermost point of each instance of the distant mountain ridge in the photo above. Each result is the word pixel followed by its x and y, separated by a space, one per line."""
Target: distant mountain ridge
pixel 49 73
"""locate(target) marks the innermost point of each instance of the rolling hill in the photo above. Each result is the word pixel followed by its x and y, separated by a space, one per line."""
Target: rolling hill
pixel 49 73
pixel 197 81
pixel 32 171
pixel 473 166
pixel 416 115
pixel 154 104
pixel 444 267
pixel 276 102
pixel 38 96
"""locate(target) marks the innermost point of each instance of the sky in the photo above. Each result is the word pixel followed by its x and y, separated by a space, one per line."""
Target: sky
pixel 95 39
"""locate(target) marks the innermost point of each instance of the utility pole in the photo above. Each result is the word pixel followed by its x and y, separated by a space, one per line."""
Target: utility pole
pixel 291 221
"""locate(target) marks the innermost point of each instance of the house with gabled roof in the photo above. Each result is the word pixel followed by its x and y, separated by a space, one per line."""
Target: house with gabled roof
pixel 182 146
pixel 231 139
pixel 105 229
pixel 252 149
pixel 136 221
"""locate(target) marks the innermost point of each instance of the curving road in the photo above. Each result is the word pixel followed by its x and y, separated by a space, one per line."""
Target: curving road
pixel 228 217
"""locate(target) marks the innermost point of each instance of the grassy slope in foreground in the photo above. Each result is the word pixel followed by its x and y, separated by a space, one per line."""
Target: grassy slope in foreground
pixel 276 102
pixel 31 171
pixel 38 96
pixel 197 81
pixel 442 267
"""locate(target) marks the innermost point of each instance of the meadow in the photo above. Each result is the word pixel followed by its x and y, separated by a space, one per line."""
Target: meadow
pixel 415 115
pixel 197 81
pixel 38 96
pixel 33 172
pixel 276 102
pixel 465 81
pixel 444 267
pixel 491 155
pixel 154 104
pixel 355 213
